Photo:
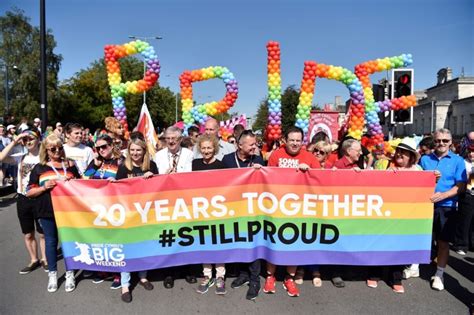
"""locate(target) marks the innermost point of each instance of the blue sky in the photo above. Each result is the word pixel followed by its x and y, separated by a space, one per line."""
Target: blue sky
pixel 439 33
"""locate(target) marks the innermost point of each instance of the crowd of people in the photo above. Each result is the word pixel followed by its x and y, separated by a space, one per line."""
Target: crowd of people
pixel 40 159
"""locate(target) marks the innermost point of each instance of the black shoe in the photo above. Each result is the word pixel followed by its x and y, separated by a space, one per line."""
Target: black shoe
pixel 127 297
pixel 338 282
pixel 31 267
pixel 168 282
pixel 191 279
pixel 147 285
pixel 238 282
pixel 253 291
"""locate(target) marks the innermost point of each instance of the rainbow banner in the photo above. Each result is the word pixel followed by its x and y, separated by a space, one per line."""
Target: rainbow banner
pixel 281 215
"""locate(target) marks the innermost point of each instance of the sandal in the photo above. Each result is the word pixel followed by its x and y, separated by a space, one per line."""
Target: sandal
pixel 372 283
pixel 168 282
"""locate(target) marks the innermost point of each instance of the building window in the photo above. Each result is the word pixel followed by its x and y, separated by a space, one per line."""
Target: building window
pixel 472 122
pixel 422 131
pixel 462 125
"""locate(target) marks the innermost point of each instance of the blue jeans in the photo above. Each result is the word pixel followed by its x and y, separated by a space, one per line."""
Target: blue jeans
pixel 51 240
pixel 125 278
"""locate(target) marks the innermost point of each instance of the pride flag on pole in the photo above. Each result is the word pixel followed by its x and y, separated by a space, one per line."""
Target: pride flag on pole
pixel 145 126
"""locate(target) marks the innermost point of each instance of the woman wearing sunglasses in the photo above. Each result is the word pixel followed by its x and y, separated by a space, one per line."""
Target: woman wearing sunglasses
pixel 53 166
pixel 106 160
pixel 137 164
pixel 105 164
pixel 30 140
pixel 322 150
pixel 405 159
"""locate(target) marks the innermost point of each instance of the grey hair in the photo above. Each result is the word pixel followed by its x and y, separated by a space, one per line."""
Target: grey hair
pixel 174 129
pixel 443 131
pixel 348 144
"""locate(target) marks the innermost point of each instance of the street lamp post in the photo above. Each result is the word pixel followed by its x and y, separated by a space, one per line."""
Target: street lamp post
pixel 144 62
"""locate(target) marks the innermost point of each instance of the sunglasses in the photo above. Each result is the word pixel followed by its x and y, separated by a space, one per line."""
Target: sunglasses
pixel 442 140
pixel 316 151
pixel 55 149
pixel 101 147
pixel 245 133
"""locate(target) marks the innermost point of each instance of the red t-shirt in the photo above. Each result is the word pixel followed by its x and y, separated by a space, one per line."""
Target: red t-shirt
pixel 280 158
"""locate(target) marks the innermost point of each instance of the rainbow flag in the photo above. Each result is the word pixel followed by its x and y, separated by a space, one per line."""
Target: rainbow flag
pixel 284 216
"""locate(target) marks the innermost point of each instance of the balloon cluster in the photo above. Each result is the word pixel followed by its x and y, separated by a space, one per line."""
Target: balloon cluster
pixel 201 112
pixel 372 108
pixel 119 89
pixel 313 70
pixel 273 131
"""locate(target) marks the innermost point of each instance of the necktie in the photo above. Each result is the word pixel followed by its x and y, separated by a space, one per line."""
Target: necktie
pixel 175 163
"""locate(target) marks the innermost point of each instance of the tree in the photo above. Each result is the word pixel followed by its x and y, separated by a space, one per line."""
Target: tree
pixel 20 47
pixel 86 97
pixel 289 102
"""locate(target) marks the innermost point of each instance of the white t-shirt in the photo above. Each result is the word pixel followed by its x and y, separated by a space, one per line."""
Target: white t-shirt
pixel 164 161
pixel 25 166
pixel 81 154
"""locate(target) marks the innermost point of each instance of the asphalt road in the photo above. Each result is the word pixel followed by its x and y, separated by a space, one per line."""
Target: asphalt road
pixel 27 294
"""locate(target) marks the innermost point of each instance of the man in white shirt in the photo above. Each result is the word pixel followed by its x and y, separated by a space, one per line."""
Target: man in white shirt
pixel 75 150
pixel 174 158
pixel 212 128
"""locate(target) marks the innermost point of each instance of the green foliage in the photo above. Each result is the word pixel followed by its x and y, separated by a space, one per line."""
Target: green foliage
pixel 20 47
pixel 87 98
pixel 289 102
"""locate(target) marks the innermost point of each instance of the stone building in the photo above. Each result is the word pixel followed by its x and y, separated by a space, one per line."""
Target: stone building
pixel 448 104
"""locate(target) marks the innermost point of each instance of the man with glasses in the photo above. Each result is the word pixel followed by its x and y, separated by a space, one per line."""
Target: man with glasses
pixel 174 158
pixel 212 128
pixel 450 171
pixel 170 160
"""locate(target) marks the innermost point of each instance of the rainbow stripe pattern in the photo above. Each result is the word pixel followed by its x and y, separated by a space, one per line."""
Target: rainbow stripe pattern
pixel 283 216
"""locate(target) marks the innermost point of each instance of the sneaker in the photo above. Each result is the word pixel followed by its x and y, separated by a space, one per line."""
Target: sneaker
pixel 88 274
pixel 116 283
pixel 205 284
pixel 252 292
pixel 269 286
pixel 437 283
pixel 238 282
pixel 299 276
pixel 461 252
pixel 44 264
pixel 52 281
pixel 220 286
pixel 32 266
pixel 398 288
pixel 290 287
pixel 411 273
pixel 100 277
pixel 70 281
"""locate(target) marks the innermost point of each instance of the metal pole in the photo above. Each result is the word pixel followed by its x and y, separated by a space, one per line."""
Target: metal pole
pixel 7 107
pixel 176 108
pixel 43 101
pixel 144 72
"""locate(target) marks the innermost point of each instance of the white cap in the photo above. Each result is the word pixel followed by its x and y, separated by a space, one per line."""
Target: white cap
pixel 10 127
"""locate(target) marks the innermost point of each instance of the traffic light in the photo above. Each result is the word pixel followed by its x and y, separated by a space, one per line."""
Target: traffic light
pixel 402 85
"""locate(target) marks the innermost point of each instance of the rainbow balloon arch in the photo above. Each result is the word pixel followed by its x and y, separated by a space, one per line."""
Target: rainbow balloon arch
pixel 362 115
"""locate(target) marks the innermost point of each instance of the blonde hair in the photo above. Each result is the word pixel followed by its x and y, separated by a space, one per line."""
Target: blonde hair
pixel 323 145
pixel 53 140
pixel 112 124
pixel 210 138
pixel 146 157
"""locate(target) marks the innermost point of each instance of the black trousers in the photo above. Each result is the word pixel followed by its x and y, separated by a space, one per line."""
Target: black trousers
pixel 464 227
pixel 251 271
